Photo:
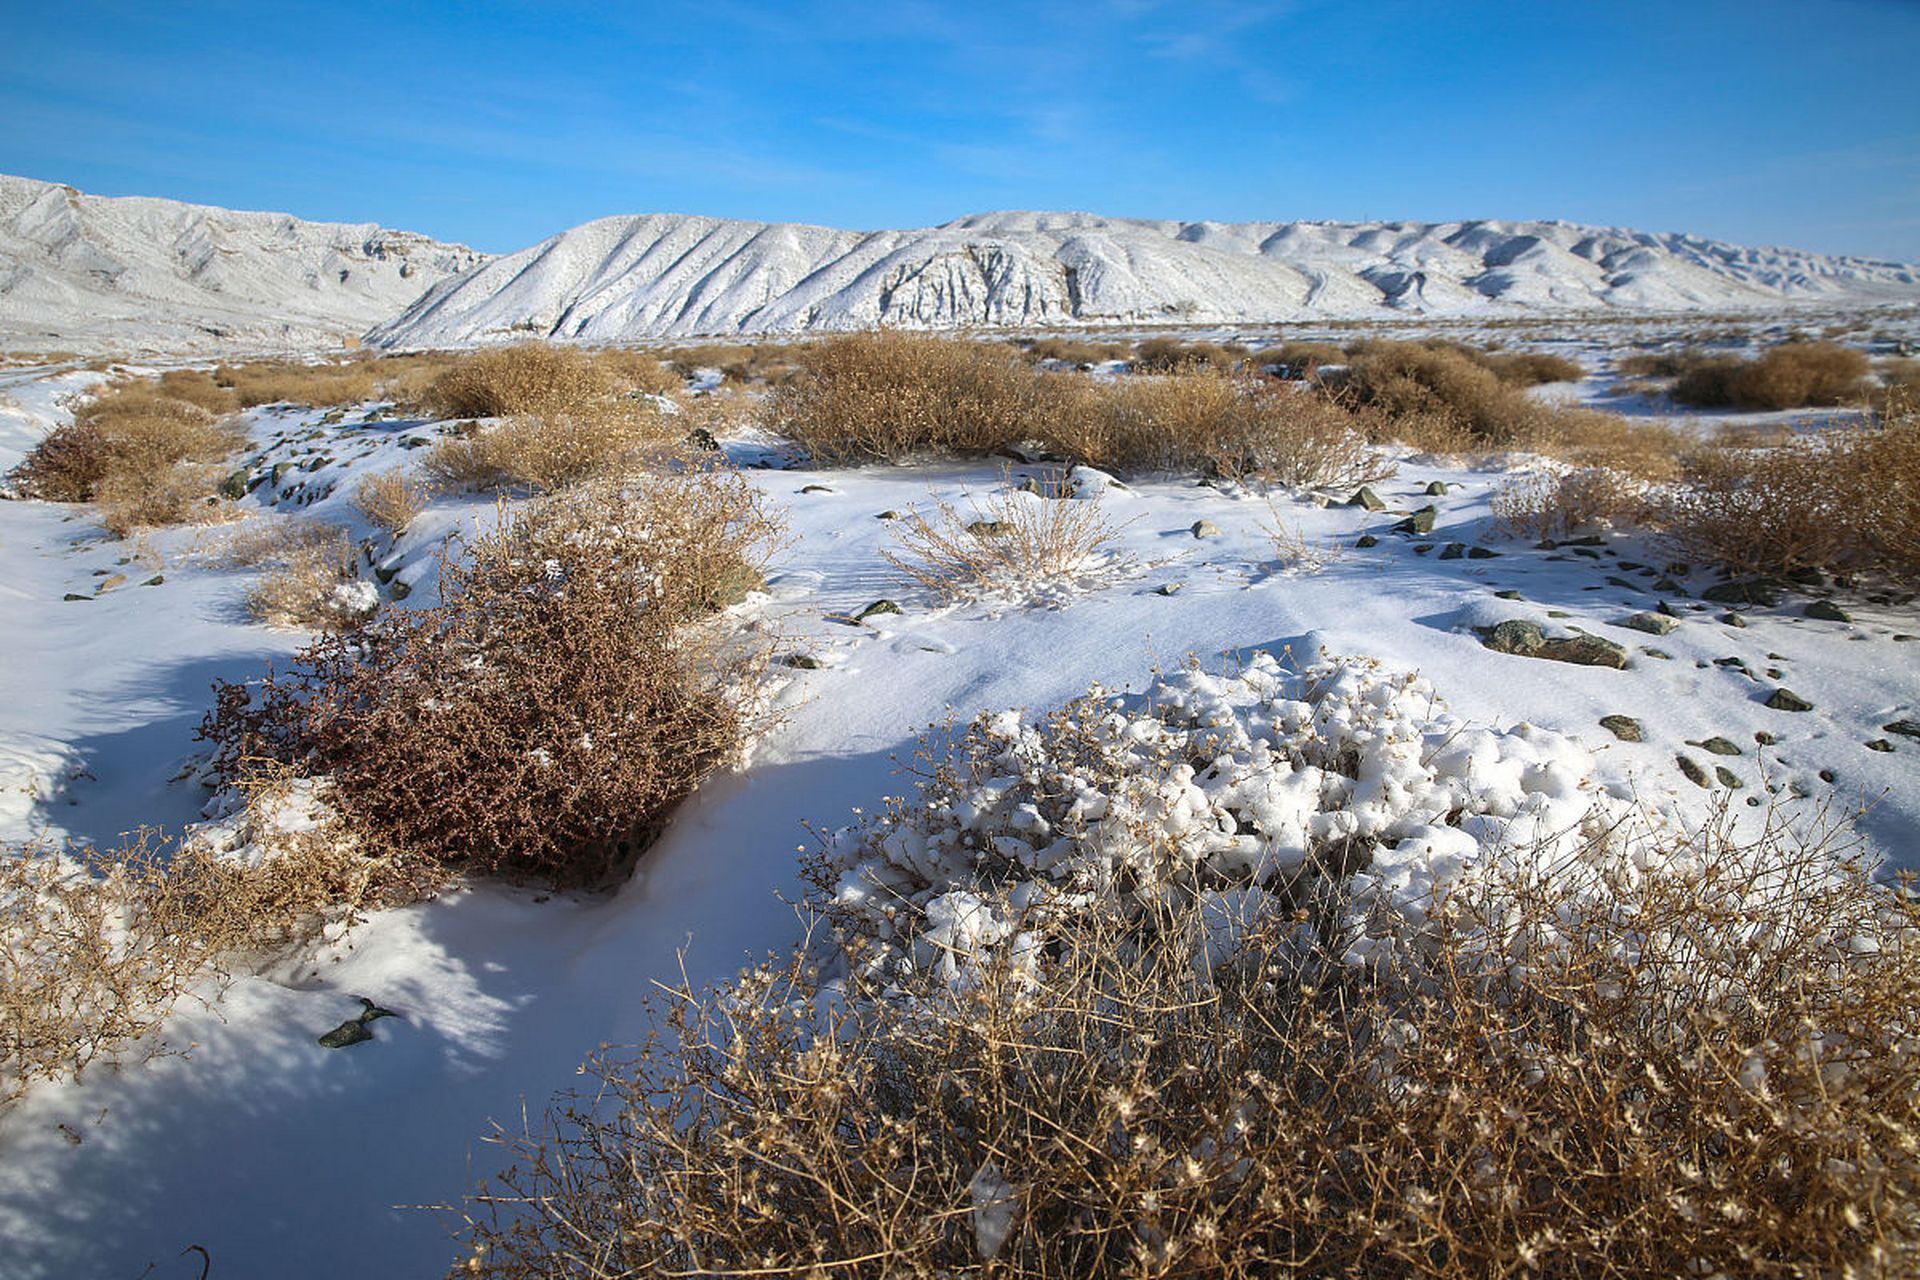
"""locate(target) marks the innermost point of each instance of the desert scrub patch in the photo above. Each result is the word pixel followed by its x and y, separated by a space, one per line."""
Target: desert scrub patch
pixel 1026 546
pixel 888 395
pixel 1551 504
pixel 390 499
pixel 1105 1039
pixel 144 456
pixel 98 947
pixel 1411 380
pixel 1793 375
pixel 309 571
pixel 573 685
pixel 1165 355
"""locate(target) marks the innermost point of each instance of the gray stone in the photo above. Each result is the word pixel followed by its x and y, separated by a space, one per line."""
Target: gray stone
pixel 815 488
pixel 1761 591
pixel 1733 620
pixel 1419 522
pixel 1905 728
pixel 1625 728
pixel 1366 540
pixel 1728 778
pixel 1205 529
pixel 1654 624
pixel 1719 746
pixel 1364 496
pixel 1482 553
pixel 1692 771
pixel 990 528
pixel 1526 639
pixel 1787 700
pixel 1169 588
pixel 1826 611
pixel 1879 744
pixel 155 580
pixel 1508 595
pixel 1437 489
pixel 1454 551
pixel 75 595
pixel 875 609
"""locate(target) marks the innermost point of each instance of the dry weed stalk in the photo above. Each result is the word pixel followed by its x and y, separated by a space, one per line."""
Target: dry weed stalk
pixel 391 499
pixel 1704 1074
pixel 1017 545
pixel 1292 549
pixel 1553 504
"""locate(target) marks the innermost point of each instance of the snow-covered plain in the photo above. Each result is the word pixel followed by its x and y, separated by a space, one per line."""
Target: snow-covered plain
pixel 281 1158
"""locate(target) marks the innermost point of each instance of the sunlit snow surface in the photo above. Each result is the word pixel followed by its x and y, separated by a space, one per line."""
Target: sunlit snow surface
pixel 282 1158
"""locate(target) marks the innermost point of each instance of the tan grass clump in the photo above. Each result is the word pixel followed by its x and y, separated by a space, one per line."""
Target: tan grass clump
pixel 314 385
pixel 1167 355
pixel 1843 500
pixel 391 499
pixel 1029 547
pixel 888 395
pixel 569 690
pixel 147 458
pixel 98 947
pixel 1697 1076
pixel 1078 352
pixel 1298 359
pixel 1793 375
pixel 533 378
pixel 1407 380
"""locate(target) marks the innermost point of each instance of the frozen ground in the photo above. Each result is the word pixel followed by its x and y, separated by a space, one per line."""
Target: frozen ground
pixel 285 1159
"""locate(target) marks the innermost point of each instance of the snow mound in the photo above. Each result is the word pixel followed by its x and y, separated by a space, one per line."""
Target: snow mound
pixel 1252 792
pixel 662 275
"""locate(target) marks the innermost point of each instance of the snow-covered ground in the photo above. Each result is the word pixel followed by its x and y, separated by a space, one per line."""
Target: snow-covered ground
pixel 282 1158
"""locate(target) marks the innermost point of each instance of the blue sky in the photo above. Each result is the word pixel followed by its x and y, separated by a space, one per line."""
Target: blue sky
pixel 1758 121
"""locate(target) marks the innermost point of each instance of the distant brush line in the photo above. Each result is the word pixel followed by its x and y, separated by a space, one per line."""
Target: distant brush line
pixel 667 275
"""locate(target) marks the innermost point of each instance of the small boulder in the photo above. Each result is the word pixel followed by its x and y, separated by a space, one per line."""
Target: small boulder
pixel 1654 624
pixel 1826 611
pixel 1365 540
pixel 1692 771
pixel 1905 728
pixel 1204 529
pixel 1454 551
pixel 1718 745
pixel 1420 522
pixel 1784 699
pixel 1760 591
pixel 990 528
pixel 1437 489
pixel 1625 728
pixel 1879 744
pixel 877 608
pixel 1364 496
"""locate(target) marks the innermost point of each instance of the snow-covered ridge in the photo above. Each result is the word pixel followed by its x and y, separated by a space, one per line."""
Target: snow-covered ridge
pixel 96 273
pixel 665 275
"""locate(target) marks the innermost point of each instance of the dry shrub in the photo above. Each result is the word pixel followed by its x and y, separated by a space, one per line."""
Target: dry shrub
pixel 544 719
pixel 391 499
pixel 1644 450
pixel 1899 386
pixel 1298 359
pixel 98 947
pixel 531 378
pixel 1166 355
pixel 631 370
pixel 198 387
pixel 1792 375
pixel 1533 368
pixel 1552 505
pixel 1202 418
pixel 550 450
pixel 1078 352
pixel 1018 545
pixel 772 363
pixel 888 395
pixel 1841 500
pixel 316 386
pixel 1416 381
pixel 312 572
pixel 1654 364
pixel 1700 1077
pixel 145 457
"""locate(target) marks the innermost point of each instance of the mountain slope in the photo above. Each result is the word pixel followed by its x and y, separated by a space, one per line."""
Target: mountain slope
pixel 95 273
pixel 658 275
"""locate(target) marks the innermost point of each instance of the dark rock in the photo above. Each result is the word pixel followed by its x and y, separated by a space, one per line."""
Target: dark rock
pixel 234 486
pixel 1453 551
pixel 1826 611
pixel 1728 778
pixel 155 580
pixel 1423 548
pixel 1652 652
pixel 1719 746
pixel 1436 489
pixel 803 661
pixel 1482 553
pixel 1669 586
pixel 1622 583
pixel 1366 540
pixel 1787 700
pixel 75 595
pixel 1807 577
pixel 1169 588
pixel 1760 591
pixel 888 515
pixel 1508 595
pixel 815 488
pixel 875 609
pixel 1625 728
pixel 1419 522
pixel 1589 540
pixel 1733 620
pixel 1879 744
pixel 354 1030
pixel 1764 738
pixel 1205 529
pixel 1526 639
pixel 1905 728
pixel 1654 624
pixel 1692 771
pixel 1364 496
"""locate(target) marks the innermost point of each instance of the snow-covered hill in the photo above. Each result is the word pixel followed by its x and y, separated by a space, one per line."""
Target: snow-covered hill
pixel 93 273
pixel 659 275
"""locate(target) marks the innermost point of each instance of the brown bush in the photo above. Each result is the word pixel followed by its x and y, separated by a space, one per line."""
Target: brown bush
pixel 1841 500
pixel 315 386
pixel 533 378
pixel 550 450
pixel 147 458
pixel 885 396
pixel 1696 1077
pixel 1079 352
pixel 98 947
pixel 391 499
pixel 1553 505
pixel 1166 355
pixel 198 387
pixel 1792 375
pixel 1298 359
pixel 1533 368
pixel 547 715
pixel 1414 381
pixel 630 370
pixel 1016 545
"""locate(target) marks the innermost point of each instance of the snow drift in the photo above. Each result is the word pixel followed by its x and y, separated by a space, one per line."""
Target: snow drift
pixel 660 275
